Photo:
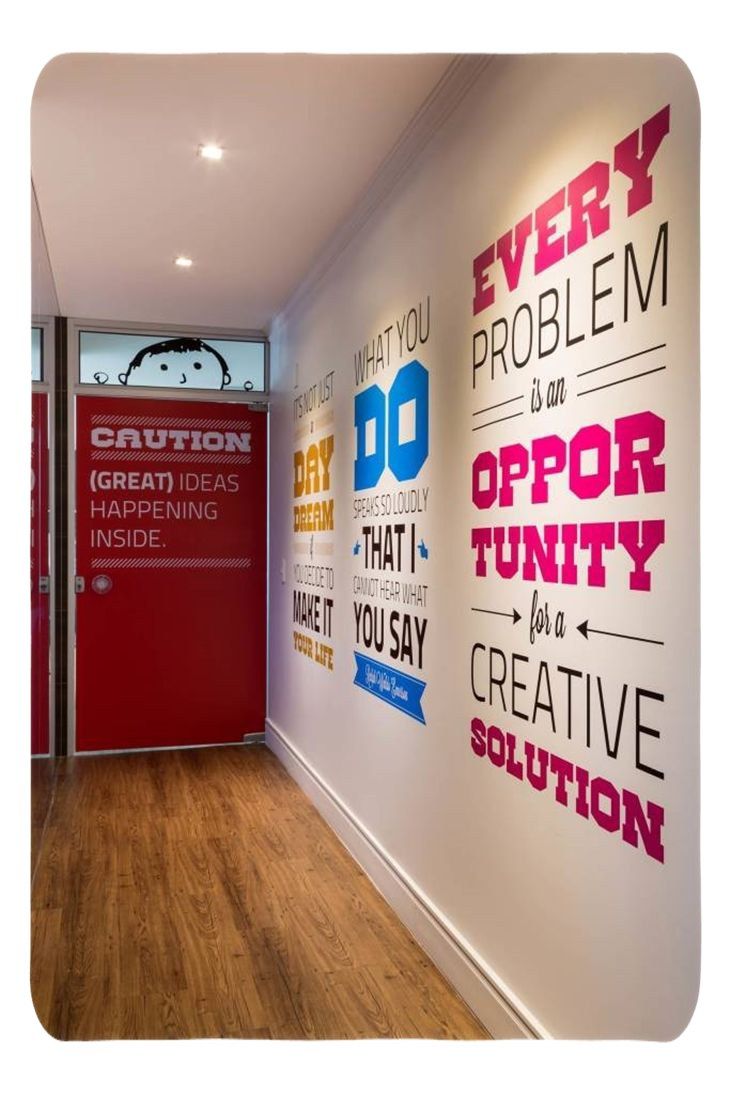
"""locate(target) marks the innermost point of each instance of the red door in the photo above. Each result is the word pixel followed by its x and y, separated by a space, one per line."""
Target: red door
pixel 171 572
pixel 39 580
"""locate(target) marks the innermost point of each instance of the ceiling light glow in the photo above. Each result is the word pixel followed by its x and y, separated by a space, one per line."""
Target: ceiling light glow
pixel 181 260
pixel 211 152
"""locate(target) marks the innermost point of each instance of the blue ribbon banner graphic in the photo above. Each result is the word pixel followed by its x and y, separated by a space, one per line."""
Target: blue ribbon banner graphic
pixel 397 688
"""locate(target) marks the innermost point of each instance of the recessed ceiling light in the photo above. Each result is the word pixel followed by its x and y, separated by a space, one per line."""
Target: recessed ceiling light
pixel 211 152
pixel 181 260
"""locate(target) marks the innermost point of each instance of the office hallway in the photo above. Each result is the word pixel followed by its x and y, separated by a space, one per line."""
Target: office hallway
pixel 198 893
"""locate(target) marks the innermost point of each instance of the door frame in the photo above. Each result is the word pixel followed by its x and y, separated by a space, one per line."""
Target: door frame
pixel 47 386
pixel 258 400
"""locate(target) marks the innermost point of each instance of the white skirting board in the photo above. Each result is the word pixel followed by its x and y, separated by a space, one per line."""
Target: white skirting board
pixel 492 1002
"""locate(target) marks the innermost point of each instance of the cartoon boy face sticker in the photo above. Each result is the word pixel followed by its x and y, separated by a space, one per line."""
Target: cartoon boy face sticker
pixel 176 362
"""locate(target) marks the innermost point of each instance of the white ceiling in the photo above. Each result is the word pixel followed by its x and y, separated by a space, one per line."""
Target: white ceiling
pixel 121 190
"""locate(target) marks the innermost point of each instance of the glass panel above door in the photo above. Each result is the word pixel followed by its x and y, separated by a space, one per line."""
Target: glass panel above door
pixel 36 352
pixel 183 362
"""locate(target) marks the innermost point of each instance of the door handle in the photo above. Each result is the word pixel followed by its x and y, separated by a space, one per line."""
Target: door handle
pixel 101 583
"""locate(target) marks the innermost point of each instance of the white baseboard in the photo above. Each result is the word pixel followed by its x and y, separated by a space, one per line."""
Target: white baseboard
pixel 489 998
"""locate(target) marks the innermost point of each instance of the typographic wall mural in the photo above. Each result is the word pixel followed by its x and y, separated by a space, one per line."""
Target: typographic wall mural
pixel 512 710
pixel 391 494
pixel 569 483
pixel 313 522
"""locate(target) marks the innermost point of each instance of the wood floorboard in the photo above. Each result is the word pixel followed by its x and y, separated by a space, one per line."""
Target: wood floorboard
pixel 198 893
pixel 42 782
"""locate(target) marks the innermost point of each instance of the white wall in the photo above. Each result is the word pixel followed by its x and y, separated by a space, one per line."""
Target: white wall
pixel 588 936
pixel 43 290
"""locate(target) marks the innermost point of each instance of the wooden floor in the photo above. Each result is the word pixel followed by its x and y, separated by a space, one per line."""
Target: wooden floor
pixel 199 894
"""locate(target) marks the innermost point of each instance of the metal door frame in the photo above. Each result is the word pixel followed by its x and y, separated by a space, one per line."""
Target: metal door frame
pixel 258 399
pixel 48 386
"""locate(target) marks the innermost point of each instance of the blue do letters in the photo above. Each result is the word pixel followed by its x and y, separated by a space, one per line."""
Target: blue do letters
pixel 405 459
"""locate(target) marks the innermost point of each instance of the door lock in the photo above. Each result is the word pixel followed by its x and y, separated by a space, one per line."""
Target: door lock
pixel 44 584
pixel 79 584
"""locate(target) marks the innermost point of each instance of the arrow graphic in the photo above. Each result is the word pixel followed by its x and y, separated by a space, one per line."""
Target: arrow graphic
pixel 514 615
pixel 585 630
